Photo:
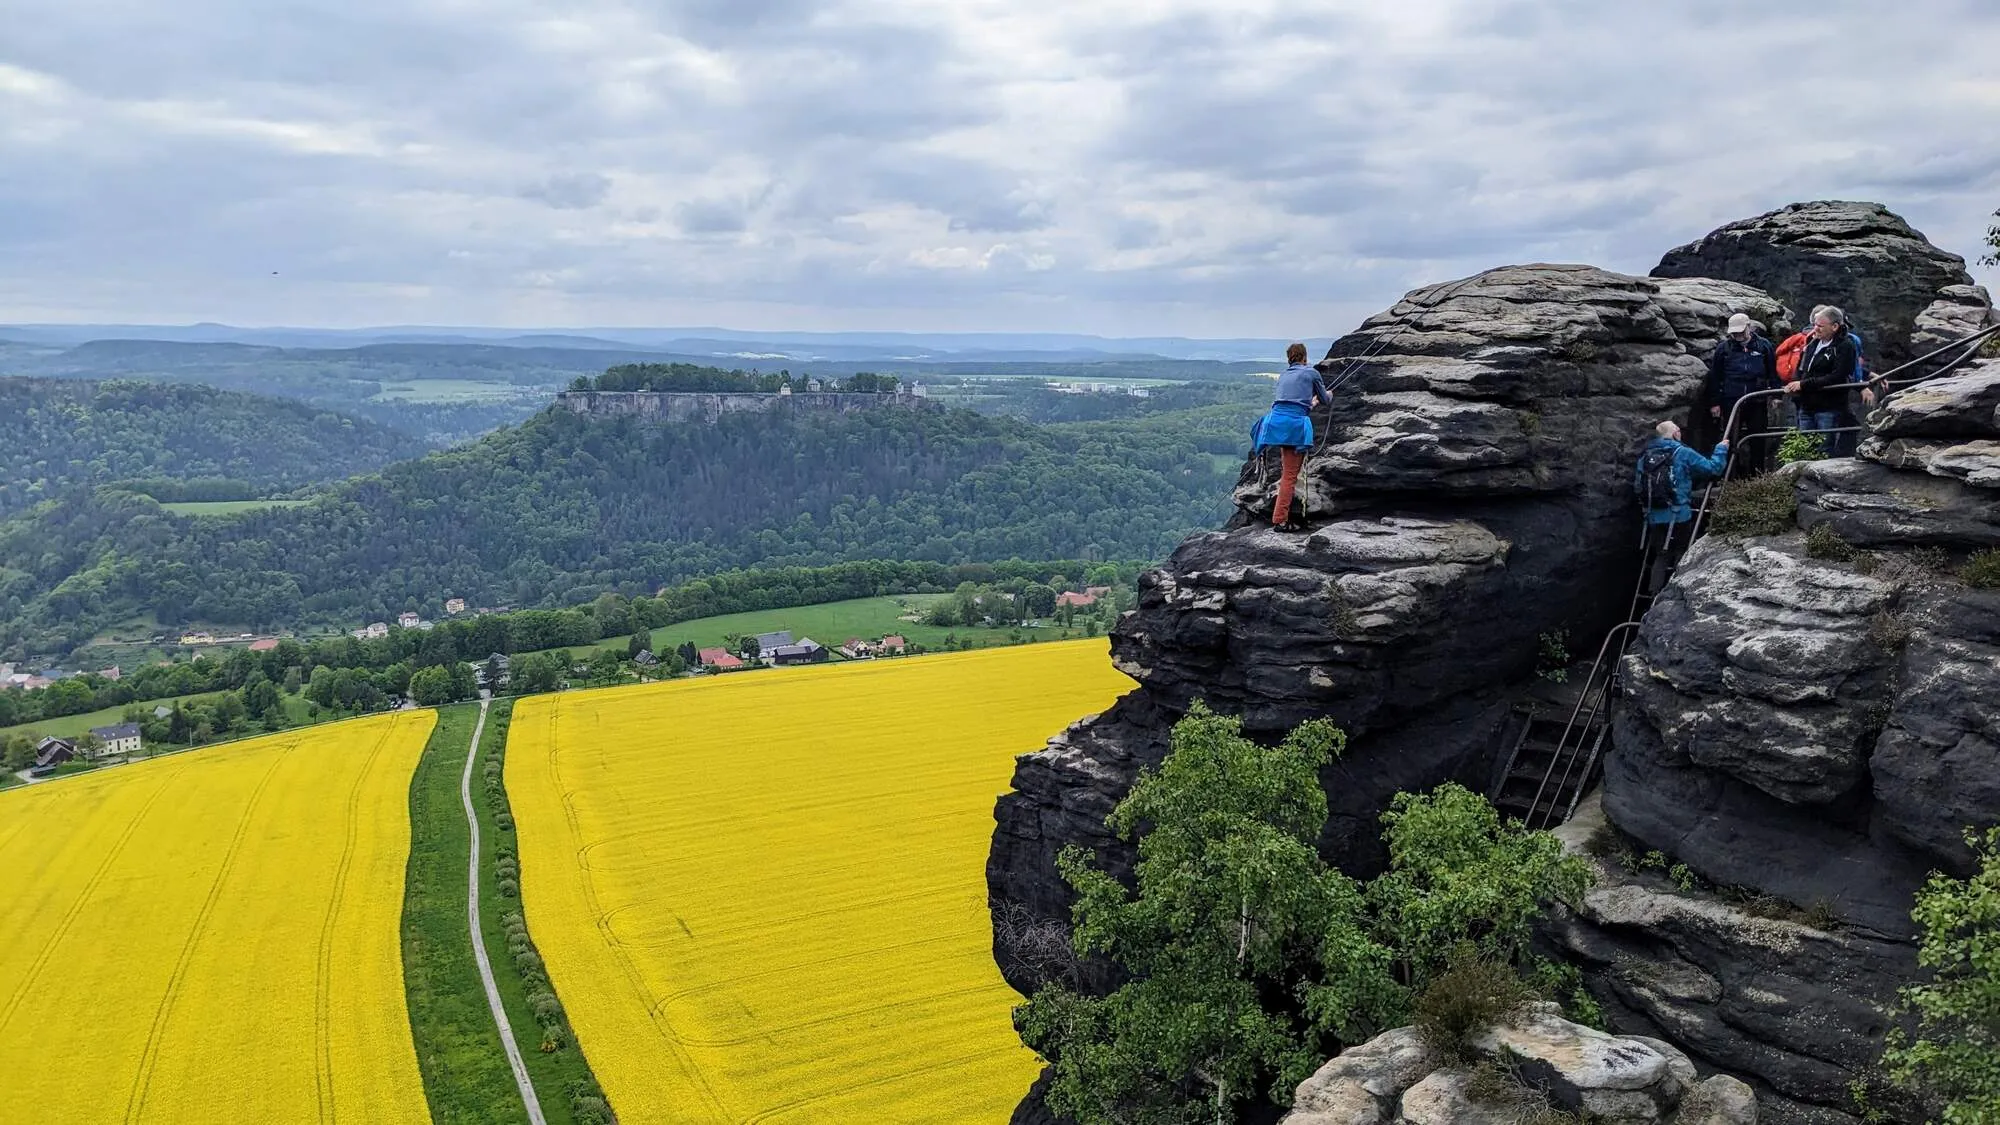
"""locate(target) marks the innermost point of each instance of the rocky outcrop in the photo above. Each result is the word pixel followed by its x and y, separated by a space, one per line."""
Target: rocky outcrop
pixel 676 406
pixel 1859 256
pixel 1958 312
pixel 1808 720
pixel 1471 493
pixel 1535 1059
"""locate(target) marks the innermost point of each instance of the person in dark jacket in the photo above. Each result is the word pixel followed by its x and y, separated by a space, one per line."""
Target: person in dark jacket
pixel 1669 526
pixel 1742 363
pixel 1288 426
pixel 1826 374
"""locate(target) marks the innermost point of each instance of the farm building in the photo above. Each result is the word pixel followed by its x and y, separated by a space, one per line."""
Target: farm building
pixel 807 651
pixel 50 753
pixel 769 643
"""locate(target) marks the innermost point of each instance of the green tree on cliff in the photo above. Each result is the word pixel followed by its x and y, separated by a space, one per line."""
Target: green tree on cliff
pixel 1251 960
pixel 1956 1051
pixel 1233 903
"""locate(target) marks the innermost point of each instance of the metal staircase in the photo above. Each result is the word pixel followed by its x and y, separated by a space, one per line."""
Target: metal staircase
pixel 1552 764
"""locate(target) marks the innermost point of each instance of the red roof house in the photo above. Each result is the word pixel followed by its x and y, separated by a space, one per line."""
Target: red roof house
pixel 1078 600
pixel 265 645
pixel 720 659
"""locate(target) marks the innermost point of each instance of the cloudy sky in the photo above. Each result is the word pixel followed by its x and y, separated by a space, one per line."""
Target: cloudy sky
pixel 1187 167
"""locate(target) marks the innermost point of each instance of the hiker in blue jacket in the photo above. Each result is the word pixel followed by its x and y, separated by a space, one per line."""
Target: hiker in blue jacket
pixel 1288 426
pixel 1664 482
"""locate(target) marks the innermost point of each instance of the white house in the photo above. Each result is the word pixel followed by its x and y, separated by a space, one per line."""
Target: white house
pixel 408 620
pixel 118 740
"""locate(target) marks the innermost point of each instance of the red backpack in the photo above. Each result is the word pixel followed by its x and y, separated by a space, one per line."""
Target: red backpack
pixel 1789 354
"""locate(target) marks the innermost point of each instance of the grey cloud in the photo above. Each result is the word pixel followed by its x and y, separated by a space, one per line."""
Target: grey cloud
pixel 872 165
pixel 570 191
pixel 712 216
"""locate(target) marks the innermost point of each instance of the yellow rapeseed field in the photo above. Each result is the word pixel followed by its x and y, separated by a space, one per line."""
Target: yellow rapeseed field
pixel 213 936
pixel 762 897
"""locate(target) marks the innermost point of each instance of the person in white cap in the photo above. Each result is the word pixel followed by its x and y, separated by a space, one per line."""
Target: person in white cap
pixel 1743 362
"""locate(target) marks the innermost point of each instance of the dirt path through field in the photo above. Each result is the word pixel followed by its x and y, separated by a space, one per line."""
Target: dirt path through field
pixel 479 944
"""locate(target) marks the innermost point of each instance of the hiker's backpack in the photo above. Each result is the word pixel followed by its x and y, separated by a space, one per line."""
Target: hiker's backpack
pixel 1656 478
pixel 1789 354
pixel 1860 364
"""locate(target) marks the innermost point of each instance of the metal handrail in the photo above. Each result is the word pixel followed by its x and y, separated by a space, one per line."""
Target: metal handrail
pixel 1561 743
pixel 1975 339
pixel 1970 344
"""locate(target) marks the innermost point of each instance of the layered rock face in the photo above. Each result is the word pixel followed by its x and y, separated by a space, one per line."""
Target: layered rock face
pixel 1812 718
pixel 1394 1079
pixel 1859 256
pixel 1798 729
pixel 1471 493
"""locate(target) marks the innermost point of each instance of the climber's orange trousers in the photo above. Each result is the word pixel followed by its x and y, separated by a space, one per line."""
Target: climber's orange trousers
pixel 1290 461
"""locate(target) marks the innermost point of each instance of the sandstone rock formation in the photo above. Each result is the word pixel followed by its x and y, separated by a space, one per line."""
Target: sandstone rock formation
pixel 1958 312
pixel 1859 256
pixel 1548 1061
pixel 1810 721
pixel 1471 493
pixel 1807 736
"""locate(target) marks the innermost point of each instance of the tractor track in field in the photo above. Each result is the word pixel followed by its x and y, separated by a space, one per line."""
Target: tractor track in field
pixel 513 1049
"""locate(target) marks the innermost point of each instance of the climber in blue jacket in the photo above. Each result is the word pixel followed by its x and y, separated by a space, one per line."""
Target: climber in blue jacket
pixel 1664 482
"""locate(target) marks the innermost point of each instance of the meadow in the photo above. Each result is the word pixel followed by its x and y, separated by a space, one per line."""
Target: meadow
pixel 213 936
pixel 829 623
pixel 763 897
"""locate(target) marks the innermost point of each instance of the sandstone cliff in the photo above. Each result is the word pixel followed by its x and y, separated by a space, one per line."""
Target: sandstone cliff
pixel 1797 733
pixel 1809 720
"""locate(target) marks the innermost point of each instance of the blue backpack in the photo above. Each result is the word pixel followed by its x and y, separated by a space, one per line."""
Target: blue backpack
pixel 1860 365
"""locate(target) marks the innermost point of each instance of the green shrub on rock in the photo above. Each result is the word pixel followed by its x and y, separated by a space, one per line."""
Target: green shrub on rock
pixel 1765 505
pixel 1982 570
pixel 1955 1053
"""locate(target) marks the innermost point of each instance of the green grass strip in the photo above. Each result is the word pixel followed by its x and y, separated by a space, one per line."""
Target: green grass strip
pixel 466 1079
pixel 563 1080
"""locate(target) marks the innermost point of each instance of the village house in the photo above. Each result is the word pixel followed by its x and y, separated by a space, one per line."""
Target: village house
pixel 117 740
pixel 498 662
pixel 197 638
pixel 110 675
pixel 857 649
pixel 454 606
pixel 719 659
pixel 768 643
pixel 374 631
pixel 408 620
pixel 50 753
pixel 1076 600
pixel 892 645
pixel 807 651
pixel 268 644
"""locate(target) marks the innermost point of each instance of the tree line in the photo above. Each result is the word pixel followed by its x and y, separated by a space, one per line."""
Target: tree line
pixel 176 441
pixel 564 508
pixel 686 378
pixel 385 666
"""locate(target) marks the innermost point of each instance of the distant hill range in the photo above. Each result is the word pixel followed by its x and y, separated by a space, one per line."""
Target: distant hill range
pixel 705 344
pixel 563 507
pixel 445 389
pixel 177 441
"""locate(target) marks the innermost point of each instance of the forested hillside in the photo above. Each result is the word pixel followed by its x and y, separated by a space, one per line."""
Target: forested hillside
pixel 180 440
pixel 564 507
